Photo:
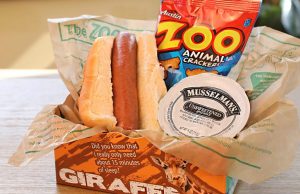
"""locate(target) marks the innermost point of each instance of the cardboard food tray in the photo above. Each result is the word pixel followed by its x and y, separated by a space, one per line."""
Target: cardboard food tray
pixel 114 163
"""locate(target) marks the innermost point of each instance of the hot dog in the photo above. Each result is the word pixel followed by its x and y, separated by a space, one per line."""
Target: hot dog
pixel 122 84
pixel 124 79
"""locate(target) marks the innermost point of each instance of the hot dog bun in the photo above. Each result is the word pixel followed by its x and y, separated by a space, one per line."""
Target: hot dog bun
pixel 151 86
pixel 124 76
pixel 95 102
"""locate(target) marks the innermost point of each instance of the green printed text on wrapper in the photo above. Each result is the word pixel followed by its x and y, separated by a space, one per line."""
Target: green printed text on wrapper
pixel 87 32
pixel 261 81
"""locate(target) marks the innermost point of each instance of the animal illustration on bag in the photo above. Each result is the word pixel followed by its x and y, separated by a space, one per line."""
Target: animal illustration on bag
pixel 177 174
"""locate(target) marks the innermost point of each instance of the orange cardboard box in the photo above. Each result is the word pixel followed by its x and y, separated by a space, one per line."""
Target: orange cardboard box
pixel 114 163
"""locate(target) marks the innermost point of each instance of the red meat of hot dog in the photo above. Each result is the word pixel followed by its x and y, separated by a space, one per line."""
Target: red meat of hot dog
pixel 124 78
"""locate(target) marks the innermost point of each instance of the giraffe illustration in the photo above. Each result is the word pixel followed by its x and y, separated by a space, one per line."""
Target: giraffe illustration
pixel 177 175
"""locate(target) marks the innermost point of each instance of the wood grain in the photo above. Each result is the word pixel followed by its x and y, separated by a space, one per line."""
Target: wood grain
pixel 22 98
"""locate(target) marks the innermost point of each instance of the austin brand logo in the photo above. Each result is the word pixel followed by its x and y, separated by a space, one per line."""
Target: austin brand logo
pixel 177 174
pixel 171 14
pixel 215 94
pixel 117 185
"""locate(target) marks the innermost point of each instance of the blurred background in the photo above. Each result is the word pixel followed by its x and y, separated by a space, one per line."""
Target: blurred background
pixel 25 41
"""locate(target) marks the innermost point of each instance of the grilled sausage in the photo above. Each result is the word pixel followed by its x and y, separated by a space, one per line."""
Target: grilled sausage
pixel 124 79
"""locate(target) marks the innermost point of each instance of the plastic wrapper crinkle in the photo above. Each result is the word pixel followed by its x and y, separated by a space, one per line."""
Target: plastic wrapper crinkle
pixel 268 70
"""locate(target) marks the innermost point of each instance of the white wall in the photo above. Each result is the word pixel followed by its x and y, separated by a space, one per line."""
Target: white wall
pixel 24 38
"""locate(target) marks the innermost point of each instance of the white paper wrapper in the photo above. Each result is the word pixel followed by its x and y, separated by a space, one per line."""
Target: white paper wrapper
pixel 264 148
pixel 47 131
pixel 270 68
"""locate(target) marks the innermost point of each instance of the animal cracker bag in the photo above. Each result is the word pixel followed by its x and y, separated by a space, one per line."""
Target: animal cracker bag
pixel 196 36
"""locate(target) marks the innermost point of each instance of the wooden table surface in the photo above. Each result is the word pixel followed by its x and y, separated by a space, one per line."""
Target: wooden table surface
pixel 23 97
